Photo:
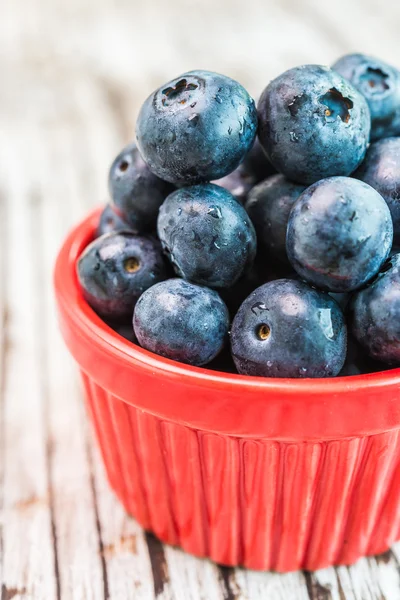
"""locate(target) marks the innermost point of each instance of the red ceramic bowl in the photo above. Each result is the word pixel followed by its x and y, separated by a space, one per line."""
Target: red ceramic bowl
pixel 267 473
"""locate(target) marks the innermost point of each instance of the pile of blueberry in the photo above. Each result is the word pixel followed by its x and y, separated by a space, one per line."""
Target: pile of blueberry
pixel 258 240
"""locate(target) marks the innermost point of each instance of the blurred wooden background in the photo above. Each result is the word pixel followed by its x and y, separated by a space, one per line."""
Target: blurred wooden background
pixel 72 77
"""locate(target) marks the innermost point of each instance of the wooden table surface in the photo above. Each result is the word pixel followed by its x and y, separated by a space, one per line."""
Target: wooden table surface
pixel 72 77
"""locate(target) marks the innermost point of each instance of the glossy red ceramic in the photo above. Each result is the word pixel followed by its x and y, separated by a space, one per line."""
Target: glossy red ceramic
pixel 267 473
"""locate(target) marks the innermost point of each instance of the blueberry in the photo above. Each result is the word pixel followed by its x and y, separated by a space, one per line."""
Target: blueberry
pixel 268 206
pixel 260 272
pixel 254 168
pixel 123 329
pixel 238 183
pixel 257 163
pixel 181 321
pixel 379 83
pixel 313 124
pixel 136 192
pixel 223 362
pixel 254 276
pixel 375 314
pixel 207 235
pixel 357 360
pixel 285 328
pixel 110 221
pixel 381 170
pixel 116 269
pixel 342 298
pixel 339 234
pixel 197 127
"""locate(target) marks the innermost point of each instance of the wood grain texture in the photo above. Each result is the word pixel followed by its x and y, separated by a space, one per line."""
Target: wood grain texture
pixel 73 77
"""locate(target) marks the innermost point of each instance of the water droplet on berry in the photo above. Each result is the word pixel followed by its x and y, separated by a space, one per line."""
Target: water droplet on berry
pixel 215 212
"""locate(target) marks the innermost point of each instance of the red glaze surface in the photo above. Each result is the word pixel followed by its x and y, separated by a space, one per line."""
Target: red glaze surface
pixel 268 473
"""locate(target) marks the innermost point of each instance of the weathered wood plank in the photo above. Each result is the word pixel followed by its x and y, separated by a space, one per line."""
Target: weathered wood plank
pixel 80 566
pixel 3 362
pixel 125 550
pixel 192 578
pixel 29 558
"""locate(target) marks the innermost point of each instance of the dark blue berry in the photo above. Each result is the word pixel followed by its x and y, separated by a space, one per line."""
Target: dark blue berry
pixel 257 163
pixel 357 360
pixel 342 298
pixel 116 269
pixel 110 221
pixel 252 170
pixel 381 170
pixel 285 328
pixel 254 276
pixel 379 83
pixel 375 314
pixel 207 235
pixel 238 183
pixel 223 362
pixel 197 127
pixel 123 329
pixel 268 206
pixel 339 234
pixel 136 192
pixel 260 272
pixel 181 321
pixel 313 124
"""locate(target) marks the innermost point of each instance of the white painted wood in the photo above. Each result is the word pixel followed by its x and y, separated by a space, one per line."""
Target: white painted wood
pixel 73 77
pixel 192 578
pixel 386 572
pixel 26 520
pixel 126 558
pixel 395 550
pixel 80 567
pixel 328 579
pixel 291 586
pixel 361 581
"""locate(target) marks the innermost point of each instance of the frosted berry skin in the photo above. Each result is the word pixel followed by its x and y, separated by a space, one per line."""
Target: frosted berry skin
pixel 313 124
pixel 268 206
pixel 257 163
pixel 379 83
pixel 254 168
pixel 285 328
pixel 197 127
pixel 136 192
pixel 381 170
pixel 207 235
pixel 375 314
pixel 115 269
pixel 252 278
pixel 238 183
pixel 358 362
pixel 124 329
pixel 262 271
pixel 181 321
pixel 339 234
pixel 110 222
